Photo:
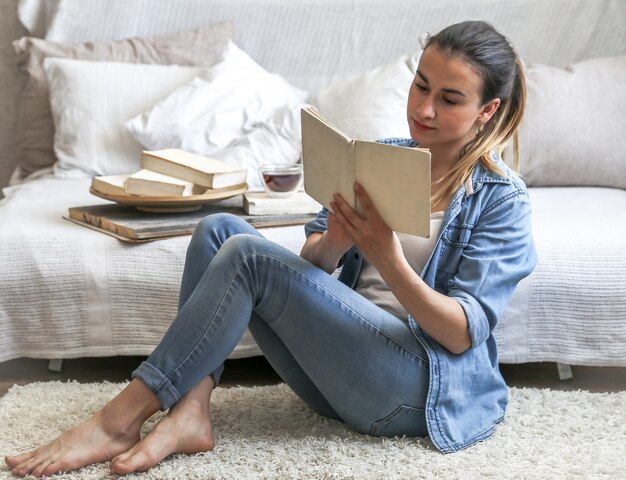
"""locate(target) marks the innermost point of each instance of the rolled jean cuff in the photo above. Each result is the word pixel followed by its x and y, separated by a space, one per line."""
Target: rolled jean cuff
pixel 158 384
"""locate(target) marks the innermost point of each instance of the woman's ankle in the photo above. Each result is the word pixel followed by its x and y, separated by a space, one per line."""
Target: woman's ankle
pixel 130 408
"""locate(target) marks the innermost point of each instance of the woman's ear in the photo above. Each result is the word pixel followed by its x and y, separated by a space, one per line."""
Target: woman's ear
pixel 488 110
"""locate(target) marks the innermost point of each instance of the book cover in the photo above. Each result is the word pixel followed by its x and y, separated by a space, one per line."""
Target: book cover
pixel 197 169
pixel 397 179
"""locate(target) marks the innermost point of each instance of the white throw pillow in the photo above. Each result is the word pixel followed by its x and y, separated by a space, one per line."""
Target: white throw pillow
pixel 90 101
pixel 373 105
pixel 278 140
pixel 573 131
pixel 222 104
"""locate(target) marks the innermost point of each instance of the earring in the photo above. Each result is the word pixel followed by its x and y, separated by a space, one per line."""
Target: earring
pixel 479 128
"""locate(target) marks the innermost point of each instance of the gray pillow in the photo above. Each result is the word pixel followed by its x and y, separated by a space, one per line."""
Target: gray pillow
pixel 35 128
pixel 574 132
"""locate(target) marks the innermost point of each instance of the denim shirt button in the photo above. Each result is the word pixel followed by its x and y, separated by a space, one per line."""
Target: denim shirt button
pixel 356 256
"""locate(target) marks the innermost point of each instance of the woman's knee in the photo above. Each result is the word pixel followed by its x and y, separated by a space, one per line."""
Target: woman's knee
pixel 243 243
pixel 211 233
pixel 215 229
pixel 219 223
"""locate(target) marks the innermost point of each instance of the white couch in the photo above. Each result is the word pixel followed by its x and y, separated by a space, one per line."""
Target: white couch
pixel 67 291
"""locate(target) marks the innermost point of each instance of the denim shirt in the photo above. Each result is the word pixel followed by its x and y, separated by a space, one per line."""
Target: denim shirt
pixel 484 248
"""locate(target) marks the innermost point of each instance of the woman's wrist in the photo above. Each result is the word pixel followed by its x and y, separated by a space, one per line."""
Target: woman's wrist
pixel 319 252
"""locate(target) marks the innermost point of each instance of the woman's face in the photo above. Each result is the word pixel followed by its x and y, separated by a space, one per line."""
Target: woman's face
pixel 444 105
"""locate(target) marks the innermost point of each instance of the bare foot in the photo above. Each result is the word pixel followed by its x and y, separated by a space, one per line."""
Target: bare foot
pixel 111 431
pixel 89 442
pixel 186 429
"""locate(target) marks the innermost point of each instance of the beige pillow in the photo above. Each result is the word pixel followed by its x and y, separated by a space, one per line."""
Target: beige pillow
pixel 573 132
pixel 35 129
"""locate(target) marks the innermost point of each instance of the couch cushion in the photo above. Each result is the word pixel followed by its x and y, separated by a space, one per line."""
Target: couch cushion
pixel 35 130
pixel 573 132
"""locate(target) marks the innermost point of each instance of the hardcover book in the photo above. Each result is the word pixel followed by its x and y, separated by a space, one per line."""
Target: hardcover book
pixel 261 203
pixel 194 168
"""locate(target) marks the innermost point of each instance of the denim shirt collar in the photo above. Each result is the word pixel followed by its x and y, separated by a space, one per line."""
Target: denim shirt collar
pixel 480 176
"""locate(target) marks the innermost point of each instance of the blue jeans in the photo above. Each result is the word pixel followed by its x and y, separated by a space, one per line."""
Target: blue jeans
pixel 345 357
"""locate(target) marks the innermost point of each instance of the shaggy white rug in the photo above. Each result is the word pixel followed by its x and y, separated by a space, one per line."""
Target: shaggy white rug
pixel 267 432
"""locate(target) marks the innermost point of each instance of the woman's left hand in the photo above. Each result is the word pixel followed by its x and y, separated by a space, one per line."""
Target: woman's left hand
pixel 371 235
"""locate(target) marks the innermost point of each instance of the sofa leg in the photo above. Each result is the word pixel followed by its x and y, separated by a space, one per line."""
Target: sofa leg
pixel 55 365
pixel 565 371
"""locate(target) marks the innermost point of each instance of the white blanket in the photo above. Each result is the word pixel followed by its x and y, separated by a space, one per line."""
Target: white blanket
pixel 68 291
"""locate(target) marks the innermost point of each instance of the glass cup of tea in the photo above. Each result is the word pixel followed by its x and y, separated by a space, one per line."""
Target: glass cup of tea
pixel 281 179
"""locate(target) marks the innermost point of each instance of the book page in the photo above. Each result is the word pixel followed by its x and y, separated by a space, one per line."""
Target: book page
pixel 327 160
pixel 397 180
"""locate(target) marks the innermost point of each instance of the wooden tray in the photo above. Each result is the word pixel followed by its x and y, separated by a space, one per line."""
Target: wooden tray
pixel 128 224
pixel 171 204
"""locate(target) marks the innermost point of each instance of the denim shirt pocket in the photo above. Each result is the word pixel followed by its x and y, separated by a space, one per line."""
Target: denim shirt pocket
pixel 457 235
pixel 455 238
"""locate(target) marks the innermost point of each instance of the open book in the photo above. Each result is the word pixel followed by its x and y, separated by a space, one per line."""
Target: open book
pixel 397 179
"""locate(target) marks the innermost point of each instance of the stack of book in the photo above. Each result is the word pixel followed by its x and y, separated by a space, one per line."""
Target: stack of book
pixel 171 173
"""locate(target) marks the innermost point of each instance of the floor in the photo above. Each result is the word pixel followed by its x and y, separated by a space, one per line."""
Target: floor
pixel 256 371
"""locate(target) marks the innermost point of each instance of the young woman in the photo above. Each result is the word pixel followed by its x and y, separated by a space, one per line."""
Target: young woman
pixel 401 343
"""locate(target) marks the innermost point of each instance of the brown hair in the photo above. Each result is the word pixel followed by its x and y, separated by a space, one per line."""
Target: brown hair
pixel 493 57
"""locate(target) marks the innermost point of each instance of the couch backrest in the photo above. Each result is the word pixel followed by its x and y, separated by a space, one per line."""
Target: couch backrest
pixel 314 42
